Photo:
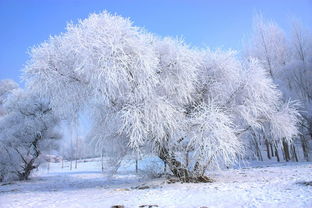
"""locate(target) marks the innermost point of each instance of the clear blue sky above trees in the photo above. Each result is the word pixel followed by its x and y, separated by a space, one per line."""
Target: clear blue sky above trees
pixel 212 24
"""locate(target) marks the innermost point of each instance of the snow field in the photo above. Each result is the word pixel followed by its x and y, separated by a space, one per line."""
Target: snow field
pixel 259 185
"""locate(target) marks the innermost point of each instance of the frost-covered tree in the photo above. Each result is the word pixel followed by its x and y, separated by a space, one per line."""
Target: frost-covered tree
pixel 290 63
pixel 296 80
pixel 26 131
pixel 268 44
pixel 191 106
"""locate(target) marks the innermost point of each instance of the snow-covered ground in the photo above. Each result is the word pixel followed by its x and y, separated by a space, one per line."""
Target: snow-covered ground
pixel 259 185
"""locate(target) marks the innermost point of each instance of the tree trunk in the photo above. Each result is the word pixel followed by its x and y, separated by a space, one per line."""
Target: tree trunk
pixel 77 149
pixel 305 149
pixel 268 149
pixel 178 169
pixel 187 159
pixel 286 151
pixel 276 153
pixel 175 166
pixel 256 143
pixel 294 153
pixel 136 166
pixel 271 146
pixel 29 165
pixel 258 150
pixel 27 170
pixel 48 165
pixel 102 160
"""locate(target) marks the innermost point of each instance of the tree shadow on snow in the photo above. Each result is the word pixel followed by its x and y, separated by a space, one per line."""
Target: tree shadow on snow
pixel 305 183
pixel 71 181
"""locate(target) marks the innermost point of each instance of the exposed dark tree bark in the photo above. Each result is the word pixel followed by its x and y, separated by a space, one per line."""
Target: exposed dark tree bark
pixel 271 146
pixel 294 153
pixel 268 149
pixel 305 148
pixel 286 150
pixel 276 153
pixel 136 165
pixel 179 170
pixel 257 149
pixel 174 165
pixel 29 164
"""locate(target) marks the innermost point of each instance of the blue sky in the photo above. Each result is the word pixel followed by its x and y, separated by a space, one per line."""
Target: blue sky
pixel 211 24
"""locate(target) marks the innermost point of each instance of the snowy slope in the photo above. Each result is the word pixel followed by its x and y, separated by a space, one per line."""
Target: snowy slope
pixel 277 185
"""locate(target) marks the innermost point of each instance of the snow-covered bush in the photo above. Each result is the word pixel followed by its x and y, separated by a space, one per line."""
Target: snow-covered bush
pixel 192 106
